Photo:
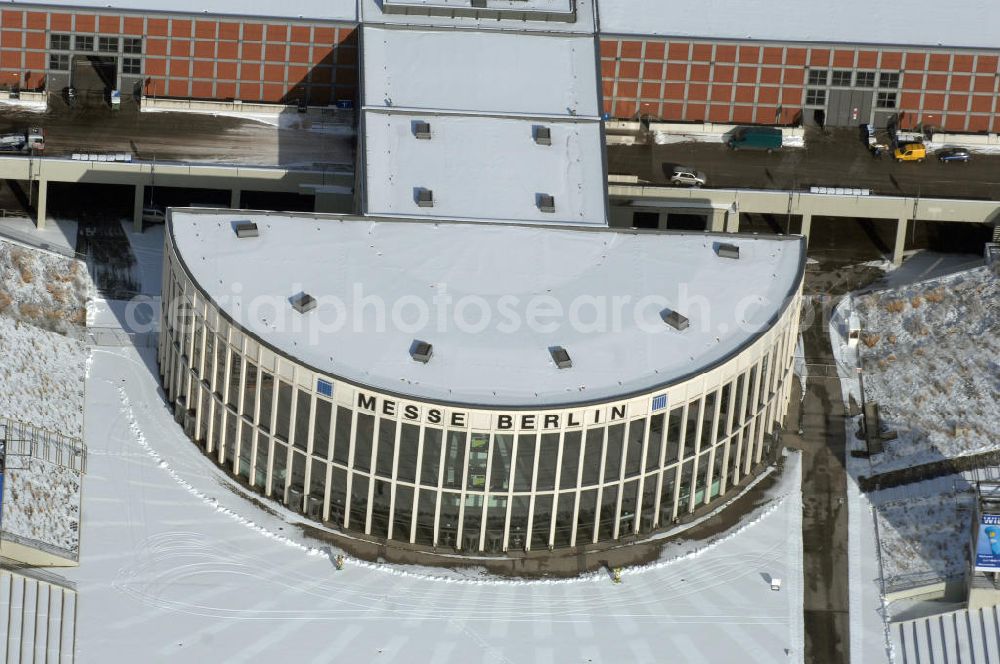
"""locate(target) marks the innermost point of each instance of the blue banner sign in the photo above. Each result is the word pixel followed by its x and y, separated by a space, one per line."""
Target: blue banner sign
pixel 988 544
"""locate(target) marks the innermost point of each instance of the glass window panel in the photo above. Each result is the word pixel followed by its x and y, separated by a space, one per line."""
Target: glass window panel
pixel 246 451
pixel 380 508
pixel 216 432
pixel 717 469
pixel 402 513
pixel 762 390
pixel 430 464
pixel 317 479
pixel 220 367
pixel 321 428
pixel 454 460
pixel 448 527
pixel 630 494
pixel 266 399
pixel 479 448
pixel 386 447
pixel 473 521
pixel 687 470
pixel 692 429
pixel 818 76
pixel 541 522
pixel 232 424
pixel 209 364
pixel 302 408
pixel 613 458
pixel 260 467
pixel 496 517
pixel 588 513
pixel 359 501
pixel 234 381
pixel 250 390
pixel 279 468
pixel 570 459
pixel 667 495
pixel 281 425
pixel 648 506
pixel 342 435
pixel 633 453
pixel 674 435
pixel 503 446
pixel 707 419
pixel 738 402
pixel 338 494
pixel 609 505
pixel 409 439
pixel 519 520
pixel 700 487
pixel 723 430
pixel 548 457
pixel 363 442
pixel 564 518
pixel 298 479
pixel 426 504
pixel 655 441
pixel 592 454
pixel 751 383
pixel 204 413
pixel 524 467
pixel 196 362
pixel 865 79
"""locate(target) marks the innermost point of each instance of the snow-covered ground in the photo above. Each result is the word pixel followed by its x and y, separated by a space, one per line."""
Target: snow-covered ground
pixel 282 120
pixel 176 564
pixel 41 377
pixel 41 501
pixel 44 289
pixel 147 247
pixel 931 358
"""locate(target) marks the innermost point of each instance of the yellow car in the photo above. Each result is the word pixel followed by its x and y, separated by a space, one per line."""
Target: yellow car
pixel 910 152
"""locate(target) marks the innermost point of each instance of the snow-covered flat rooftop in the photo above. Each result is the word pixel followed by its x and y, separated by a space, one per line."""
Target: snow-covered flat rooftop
pixel 492 299
pixel 481 71
pixel 337 10
pixel 484 168
pixel 966 23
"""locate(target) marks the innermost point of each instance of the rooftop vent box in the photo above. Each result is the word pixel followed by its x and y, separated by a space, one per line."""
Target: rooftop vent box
pixel 543 136
pixel 675 320
pixel 246 229
pixel 561 357
pixel 421 351
pixel 422 129
pixel 303 302
pixel 425 198
pixel 728 251
pixel 546 203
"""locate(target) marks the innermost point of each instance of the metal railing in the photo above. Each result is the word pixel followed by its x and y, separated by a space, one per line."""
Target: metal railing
pixel 20 438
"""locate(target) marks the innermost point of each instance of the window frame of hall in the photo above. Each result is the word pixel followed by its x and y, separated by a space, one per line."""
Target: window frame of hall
pixel 714 458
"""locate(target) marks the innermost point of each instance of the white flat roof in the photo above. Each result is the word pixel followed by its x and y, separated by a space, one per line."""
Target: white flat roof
pixel 371 12
pixel 516 5
pixel 966 23
pixel 480 71
pixel 332 10
pixel 484 168
pixel 489 292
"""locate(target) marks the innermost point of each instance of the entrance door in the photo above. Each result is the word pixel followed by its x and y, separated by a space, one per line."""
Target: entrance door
pixel 94 77
pixel 849 108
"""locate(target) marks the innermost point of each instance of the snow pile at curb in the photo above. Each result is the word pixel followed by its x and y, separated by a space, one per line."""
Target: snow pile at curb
pixel 597 576
pixel 42 378
pixel 43 289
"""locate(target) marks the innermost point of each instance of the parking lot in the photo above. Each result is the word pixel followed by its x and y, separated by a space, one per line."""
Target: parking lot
pixel 831 158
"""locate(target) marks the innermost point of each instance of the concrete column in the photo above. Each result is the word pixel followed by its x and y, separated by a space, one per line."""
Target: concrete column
pixel 807 222
pixel 718 223
pixel 661 223
pixel 41 203
pixel 897 249
pixel 732 221
pixel 137 205
pixel 234 199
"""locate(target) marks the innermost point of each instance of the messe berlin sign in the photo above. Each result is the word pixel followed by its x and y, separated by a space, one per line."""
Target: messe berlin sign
pixel 988 544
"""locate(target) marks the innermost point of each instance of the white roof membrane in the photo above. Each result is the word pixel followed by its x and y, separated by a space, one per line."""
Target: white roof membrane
pixel 492 295
pixel 583 22
pixel 967 23
pixel 484 168
pixel 488 72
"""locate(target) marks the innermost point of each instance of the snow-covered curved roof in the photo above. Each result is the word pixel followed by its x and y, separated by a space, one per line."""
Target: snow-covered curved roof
pixel 492 299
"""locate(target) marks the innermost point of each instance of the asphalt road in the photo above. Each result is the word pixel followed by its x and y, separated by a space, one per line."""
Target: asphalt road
pixel 302 141
pixel 832 158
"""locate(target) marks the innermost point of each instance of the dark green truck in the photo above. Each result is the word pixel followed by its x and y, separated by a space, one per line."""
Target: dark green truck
pixel 755 138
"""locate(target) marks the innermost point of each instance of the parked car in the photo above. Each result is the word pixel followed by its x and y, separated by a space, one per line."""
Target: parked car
pixel 153 215
pixel 910 152
pixel 756 138
pixel 954 154
pixel 685 175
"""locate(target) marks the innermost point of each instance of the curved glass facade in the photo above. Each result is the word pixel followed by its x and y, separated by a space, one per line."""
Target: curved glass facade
pixel 475 480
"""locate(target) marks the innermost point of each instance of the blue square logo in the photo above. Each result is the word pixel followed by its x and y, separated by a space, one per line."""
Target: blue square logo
pixel 659 402
pixel 324 387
